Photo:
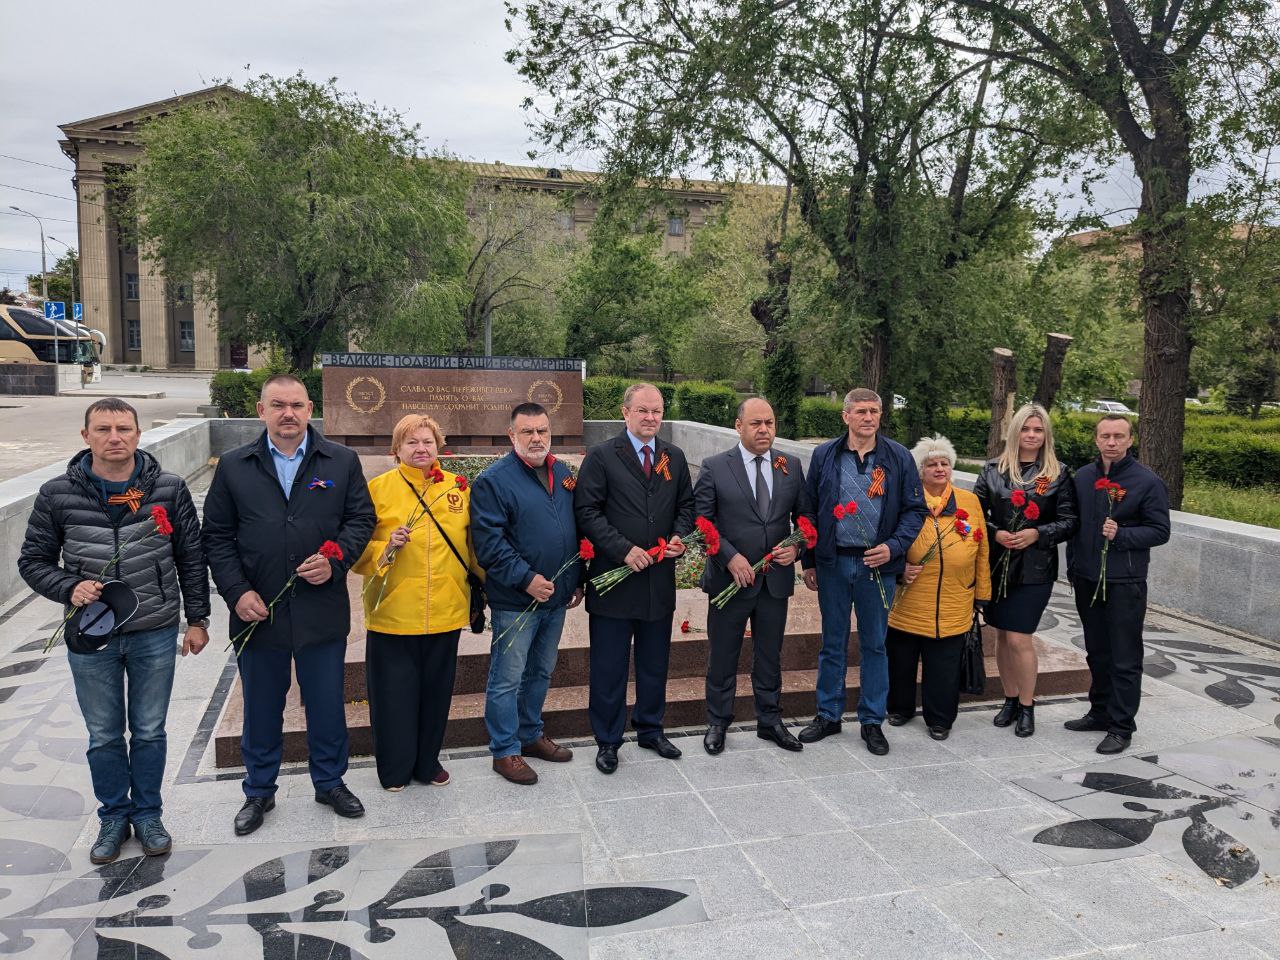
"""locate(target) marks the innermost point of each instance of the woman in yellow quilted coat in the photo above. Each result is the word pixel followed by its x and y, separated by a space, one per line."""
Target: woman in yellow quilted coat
pixel 416 602
pixel 946 578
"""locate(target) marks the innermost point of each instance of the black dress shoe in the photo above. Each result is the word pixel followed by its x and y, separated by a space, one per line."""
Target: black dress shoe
pixel 820 728
pixel 662 747
pixel 898 719
pixel 1113 743
pixel 344 802
pixel 607 759
pixel 713 742
pixel 249 817
pixel 1026 723
pixel 779 735
pixel 1007 713
pixel 939 733
pixel 1087 722
pixel 874 737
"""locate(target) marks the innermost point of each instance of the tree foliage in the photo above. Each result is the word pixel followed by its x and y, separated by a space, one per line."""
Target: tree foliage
pixel 63 280
pixel 309 215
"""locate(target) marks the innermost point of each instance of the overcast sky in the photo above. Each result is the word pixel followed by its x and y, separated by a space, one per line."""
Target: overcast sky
pixel 439 61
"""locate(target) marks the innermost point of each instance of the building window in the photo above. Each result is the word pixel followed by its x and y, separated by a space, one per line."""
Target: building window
pixel 133 334
pixel 182 293
pixel 675 226
pixel 187 336
pixel 564 219
pixel 131 286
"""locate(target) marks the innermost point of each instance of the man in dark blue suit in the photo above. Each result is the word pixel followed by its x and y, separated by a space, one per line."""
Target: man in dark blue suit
pixel 632 492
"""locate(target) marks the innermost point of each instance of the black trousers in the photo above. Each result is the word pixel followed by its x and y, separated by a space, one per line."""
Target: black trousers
pixel 767 615
pixel 611 639
pixel 939 661
pixel 1113 647
pixel 410 681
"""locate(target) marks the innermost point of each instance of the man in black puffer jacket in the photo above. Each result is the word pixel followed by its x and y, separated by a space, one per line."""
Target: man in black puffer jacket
pixel 97 519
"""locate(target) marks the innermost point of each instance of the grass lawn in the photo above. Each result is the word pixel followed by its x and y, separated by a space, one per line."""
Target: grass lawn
pixel 1260 505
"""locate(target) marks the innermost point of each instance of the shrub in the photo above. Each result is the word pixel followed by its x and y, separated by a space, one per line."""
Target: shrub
pixel 1234 458
pixel 602 397
pixel 819 417
pixel 237 392
pixel 706 403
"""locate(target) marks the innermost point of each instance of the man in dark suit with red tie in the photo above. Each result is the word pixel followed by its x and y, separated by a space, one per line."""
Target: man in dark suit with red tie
pixel 633 494
pixel 752 496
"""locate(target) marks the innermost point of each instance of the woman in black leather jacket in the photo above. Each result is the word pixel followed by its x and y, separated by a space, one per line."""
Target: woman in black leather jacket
pixel 1030 508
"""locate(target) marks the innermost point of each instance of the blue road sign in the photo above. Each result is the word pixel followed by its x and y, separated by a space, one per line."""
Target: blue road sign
pixel 55 310
pixel 77 312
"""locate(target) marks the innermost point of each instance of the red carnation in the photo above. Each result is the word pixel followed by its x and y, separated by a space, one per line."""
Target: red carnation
pixel 461 481
pixel 436 475
pixel 977 536
pixel 838 511
pixel 1018 498
pixel 1032 512
pixel 851 507
pixel 586 550
pixel 161 516
pixel 710 536
pixel 684 626
pixel 330 550
pixel 1102 483
pixel 809 531
pixel 962 514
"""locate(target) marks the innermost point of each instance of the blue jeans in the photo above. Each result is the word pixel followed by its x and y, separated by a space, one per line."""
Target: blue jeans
pixel 520 667
pixel 845 586
pixel 127 779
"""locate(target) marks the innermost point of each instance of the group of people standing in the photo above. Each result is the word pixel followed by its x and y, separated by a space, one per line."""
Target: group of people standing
pixel 897 547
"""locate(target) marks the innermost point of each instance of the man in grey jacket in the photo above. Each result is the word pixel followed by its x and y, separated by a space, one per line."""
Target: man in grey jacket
pixel 100 519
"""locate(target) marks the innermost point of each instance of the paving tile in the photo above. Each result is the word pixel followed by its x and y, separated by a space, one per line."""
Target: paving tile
pixel 733 769
pixel 1006 838
pixel 1006 923
pixel 897 927
pixel 769 936
pixel 816 760
pixel 782 809
pixel 1178 877
pixel 925 853
pixel 1265 936
pixel 1213 943
pixel 630 780
pixel 1071 782
pixel 730 884
pixel 630 828
pixel 914 749
pixel 850 868
pixel 1112 905
pixel 950 788
pixel 865 799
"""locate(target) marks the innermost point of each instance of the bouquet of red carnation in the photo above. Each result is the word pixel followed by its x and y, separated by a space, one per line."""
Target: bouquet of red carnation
pixel 418 514
pixel 163 528
pixel 804 533
pixel 704 535
pixel 329 550
pixel 1115 493
pixel 960 528
pixel 585 552
pixel 1025 511
pixel 846 511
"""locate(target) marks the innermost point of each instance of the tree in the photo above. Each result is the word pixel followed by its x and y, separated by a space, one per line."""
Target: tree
pixel 312 215
pixel 1183 87
pixel 8 298
pixel 63 280
pixel 850 101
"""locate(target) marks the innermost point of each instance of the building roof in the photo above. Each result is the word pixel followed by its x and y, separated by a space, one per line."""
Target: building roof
pixel 545 177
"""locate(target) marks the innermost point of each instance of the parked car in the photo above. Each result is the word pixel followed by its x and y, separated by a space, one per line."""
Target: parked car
pixel 1108 406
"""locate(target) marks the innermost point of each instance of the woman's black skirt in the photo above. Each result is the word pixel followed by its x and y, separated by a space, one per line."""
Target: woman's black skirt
pixel 1019 611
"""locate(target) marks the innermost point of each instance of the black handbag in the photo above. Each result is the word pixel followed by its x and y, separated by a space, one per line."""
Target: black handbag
pixel 476 586
pixel 973 666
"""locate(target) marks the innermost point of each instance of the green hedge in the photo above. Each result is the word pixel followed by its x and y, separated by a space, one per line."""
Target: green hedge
pixel 602 397
pixel 819 417
pixel 706 403
pixel 237 392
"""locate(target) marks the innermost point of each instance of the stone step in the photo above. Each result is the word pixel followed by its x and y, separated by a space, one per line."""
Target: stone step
pixel 1062 671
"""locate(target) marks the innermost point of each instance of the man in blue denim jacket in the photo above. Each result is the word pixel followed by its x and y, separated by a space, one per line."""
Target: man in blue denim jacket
pixel 524 533
pixel 865 491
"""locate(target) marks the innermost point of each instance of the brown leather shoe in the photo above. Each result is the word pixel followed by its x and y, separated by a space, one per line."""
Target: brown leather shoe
pixel 544 748
pixel 516 770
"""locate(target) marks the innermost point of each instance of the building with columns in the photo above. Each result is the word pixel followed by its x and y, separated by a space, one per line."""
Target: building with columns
pixel 152 321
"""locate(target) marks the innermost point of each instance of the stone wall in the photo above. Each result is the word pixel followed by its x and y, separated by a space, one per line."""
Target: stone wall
pixel 27 380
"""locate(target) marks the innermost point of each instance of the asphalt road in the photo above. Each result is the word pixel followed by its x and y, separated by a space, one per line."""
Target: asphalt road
pixel 37 431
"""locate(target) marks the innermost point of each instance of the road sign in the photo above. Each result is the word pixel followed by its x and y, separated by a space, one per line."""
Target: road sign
pixel 55 310
pixel 77 312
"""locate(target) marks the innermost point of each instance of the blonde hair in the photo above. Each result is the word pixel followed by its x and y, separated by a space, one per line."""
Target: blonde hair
pixel 410 424
pixel 1008 463
pixel 931 448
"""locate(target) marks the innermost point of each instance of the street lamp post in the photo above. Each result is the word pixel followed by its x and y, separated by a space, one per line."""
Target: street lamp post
pixel 44 291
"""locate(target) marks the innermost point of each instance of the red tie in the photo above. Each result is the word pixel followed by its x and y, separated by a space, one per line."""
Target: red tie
pixel 648 462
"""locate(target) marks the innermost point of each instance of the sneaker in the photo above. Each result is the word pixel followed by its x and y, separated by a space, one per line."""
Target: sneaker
pixel 153 836
pixel 441 779
pixel 111 837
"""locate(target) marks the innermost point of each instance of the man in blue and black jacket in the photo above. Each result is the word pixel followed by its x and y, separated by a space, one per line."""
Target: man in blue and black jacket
pixel 1124 512
pixel 862 547
pixel 524 533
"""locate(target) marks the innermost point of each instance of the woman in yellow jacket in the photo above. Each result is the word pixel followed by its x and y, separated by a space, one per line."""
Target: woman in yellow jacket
pixel 946 578
pixel 416 602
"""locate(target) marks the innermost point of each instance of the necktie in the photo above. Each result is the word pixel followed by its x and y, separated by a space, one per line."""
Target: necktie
pixel 648 460
pixel 762 490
